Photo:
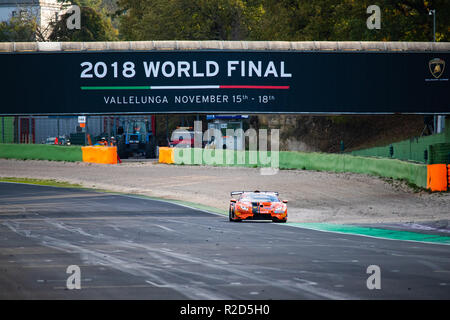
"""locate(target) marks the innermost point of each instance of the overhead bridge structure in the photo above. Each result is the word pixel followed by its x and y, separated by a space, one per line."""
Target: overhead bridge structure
pixel 251 77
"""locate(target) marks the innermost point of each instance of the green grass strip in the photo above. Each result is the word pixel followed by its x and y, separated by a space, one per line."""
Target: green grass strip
pixel 41 182
pixel 374 232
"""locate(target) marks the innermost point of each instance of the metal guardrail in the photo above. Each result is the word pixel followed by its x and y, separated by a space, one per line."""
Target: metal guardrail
pixel 224 45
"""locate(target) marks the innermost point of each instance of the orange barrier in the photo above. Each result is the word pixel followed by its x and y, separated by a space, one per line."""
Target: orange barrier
pixel 166 155
pixel 100 154
pixel 437 177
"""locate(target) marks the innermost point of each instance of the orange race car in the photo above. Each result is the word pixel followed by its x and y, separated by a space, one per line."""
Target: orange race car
pixel 257 205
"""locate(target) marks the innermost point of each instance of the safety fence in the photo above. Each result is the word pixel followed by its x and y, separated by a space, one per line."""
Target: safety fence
pixel 435 177
pixel 65 130
pixel 92 154
pixel 439 153
pixel 40 152
pixel 433 149
pixel 7 130
pixel 430 149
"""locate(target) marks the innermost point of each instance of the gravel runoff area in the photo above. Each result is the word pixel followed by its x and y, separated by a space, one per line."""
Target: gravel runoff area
pixel 313 196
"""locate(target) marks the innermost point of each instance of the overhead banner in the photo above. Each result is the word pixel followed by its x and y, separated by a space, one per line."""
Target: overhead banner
pixel 215 82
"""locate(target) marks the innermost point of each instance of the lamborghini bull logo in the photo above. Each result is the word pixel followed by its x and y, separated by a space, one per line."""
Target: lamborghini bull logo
pixel 437 67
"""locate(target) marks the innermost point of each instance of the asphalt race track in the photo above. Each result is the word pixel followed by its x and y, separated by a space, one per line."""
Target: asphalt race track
pixel 133 248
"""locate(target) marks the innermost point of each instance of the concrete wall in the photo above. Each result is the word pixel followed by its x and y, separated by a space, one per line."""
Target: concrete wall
pixel 226 45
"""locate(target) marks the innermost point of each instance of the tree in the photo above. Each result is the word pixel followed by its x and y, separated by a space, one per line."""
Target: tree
pixel 95 24
pixel 292 20
pixel 186 19
pixel 22 28
pixel 331 20
pixel 17 29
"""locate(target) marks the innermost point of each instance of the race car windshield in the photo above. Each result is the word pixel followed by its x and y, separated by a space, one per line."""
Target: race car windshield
pixel 260 198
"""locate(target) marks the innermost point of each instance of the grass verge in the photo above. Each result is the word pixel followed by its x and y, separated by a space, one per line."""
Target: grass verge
pixel 42 182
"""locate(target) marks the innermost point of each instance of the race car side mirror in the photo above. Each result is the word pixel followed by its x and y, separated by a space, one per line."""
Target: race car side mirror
pixel 284 201
pixel 233 200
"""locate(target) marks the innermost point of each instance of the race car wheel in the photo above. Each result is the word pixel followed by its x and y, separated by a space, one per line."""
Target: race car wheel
pixel 232 217
pixel 279 221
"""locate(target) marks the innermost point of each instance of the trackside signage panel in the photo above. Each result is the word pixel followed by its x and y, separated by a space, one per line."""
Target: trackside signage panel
pixel 224 82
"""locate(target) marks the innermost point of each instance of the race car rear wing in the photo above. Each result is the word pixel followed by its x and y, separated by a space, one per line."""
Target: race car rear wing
pixel 234 193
